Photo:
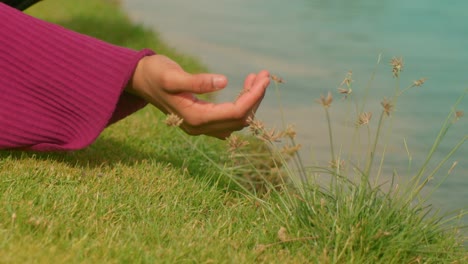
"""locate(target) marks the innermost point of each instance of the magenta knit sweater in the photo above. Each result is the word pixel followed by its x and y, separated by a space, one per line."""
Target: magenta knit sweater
pixel 59 89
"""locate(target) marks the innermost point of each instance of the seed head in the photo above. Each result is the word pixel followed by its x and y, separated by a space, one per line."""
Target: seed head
pixel 387 106
pixel 364 118
pixel 173 120
pixel 277 79
pixel 326 100
pixel 419 82
pixel 235 143
pixel 397 66
pixel 338 163
pixel 290 151
pixel 270 135
pixel 255 126
pixel 260 248
pixel 290 132
pixel 348 79
pixel 283 234
pixel 346 92
pixel 458 115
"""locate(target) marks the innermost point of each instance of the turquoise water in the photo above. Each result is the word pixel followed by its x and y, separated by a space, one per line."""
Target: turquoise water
pixel 313 43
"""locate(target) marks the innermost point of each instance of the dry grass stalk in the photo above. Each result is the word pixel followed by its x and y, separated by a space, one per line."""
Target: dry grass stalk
pixel 387 106
pixel 454 164
pixel 290 150
pixel 326 101
pixel 277 79
pixel 344 91
pixel 283 234
pixel 256 127
pixel 235 143
pixel 270 135
pixel 173 120
pixel 419 82
pixel 364 118
pixel 337 164
pixel 290 132
pixel 348 79
pixel 397 66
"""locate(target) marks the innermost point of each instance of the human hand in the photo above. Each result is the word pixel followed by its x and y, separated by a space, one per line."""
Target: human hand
pixel 163 83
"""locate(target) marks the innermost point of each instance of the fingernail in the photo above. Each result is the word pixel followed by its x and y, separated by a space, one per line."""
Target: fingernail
pixel 219 82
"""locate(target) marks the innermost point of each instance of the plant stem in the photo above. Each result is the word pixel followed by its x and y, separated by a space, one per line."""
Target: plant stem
pixel 330 134
pixel 374 147
pixel 443 161
pixel 297 157
pixel 369 84
pixel 447 124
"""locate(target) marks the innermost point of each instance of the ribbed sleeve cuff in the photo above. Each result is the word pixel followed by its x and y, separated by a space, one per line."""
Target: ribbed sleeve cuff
pixel 59 89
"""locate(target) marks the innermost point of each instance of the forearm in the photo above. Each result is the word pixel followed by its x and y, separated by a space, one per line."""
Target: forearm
pixel 59 89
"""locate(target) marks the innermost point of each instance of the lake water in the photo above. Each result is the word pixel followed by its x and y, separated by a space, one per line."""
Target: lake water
pixel 312 44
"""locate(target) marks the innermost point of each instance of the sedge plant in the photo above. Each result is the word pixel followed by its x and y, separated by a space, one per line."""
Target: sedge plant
pixel 353 219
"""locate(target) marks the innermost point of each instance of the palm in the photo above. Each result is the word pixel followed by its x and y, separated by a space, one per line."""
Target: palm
pixel 171 89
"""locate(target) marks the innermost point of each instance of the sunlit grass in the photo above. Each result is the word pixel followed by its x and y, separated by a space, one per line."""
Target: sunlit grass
pixel 355 218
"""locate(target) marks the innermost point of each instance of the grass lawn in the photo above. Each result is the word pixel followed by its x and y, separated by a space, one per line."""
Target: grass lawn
pixel 145 193
pixel 139 194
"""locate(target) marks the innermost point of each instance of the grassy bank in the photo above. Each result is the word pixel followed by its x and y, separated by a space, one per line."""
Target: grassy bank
pixel 136 195
pixel 145 193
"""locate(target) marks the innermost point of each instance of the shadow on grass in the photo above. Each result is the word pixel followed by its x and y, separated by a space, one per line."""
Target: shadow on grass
pixel 104 152
pixel 107 153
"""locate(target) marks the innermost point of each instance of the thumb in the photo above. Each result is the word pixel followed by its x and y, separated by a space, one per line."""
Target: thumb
pixel 198 83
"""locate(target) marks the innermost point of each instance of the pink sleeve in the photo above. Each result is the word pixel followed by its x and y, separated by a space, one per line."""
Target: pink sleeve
pixel 59 89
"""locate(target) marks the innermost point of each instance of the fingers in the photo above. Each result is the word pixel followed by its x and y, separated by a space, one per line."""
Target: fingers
pixel 249 81
pixel 179 82
pixel 255 92
pixel 253 78
pixel 263 74
pixel 238 111
pixel 220 120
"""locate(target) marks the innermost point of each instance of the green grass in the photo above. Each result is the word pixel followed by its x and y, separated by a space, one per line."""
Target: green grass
pixel 146 193
pixel 136 195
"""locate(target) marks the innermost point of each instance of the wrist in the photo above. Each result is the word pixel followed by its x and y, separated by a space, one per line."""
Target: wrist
pixel 136 85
